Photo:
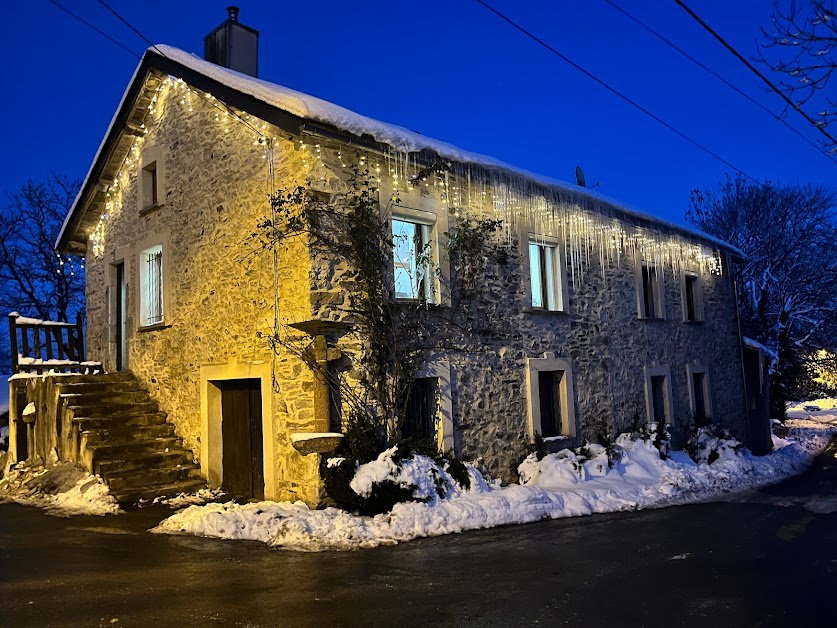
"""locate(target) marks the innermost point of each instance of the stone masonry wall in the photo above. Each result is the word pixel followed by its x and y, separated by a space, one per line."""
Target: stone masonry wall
pixel 601 334
pixel 216 182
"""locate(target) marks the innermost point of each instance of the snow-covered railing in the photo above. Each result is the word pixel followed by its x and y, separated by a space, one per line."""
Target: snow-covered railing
pixel 42 346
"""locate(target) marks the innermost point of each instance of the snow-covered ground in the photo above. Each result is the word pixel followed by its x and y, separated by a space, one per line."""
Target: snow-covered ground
pixel 559 485
pixel 822 410
pixel 61 489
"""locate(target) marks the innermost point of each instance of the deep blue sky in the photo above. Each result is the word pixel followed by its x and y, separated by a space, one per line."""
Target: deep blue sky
pixel 448 69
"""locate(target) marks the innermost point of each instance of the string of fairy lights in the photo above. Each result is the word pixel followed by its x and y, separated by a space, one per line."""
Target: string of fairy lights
pixel 593 230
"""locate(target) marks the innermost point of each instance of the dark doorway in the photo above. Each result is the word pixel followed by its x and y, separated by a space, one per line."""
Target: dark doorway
pixel 241 432
pixel 549 393
pixel 121 353
pixel 420 418
pixel 659 399
pixel 700 395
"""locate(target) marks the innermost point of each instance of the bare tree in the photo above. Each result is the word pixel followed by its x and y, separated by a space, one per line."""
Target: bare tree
pixel 801 45
pixel 787 285
pixel 34 279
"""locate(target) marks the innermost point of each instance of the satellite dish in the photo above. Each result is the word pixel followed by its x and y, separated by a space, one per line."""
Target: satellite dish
pixel 581 180
pixel 579 177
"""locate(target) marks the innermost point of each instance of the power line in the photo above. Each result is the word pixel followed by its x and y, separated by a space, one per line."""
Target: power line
pixel 756 71
pixel 89 25
pixel 719 77
pixel 215 103
pixel 616 92
pixel 129 25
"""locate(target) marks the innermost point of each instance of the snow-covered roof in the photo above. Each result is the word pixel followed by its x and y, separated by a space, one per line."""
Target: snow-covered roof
pixel 754 344
pixel 399 138
pixel 311 108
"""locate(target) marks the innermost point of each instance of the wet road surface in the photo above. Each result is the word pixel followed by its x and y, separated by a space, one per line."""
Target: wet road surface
pixel 761 559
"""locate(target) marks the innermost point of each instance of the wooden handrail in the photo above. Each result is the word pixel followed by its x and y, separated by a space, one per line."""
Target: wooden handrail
pixel 54 345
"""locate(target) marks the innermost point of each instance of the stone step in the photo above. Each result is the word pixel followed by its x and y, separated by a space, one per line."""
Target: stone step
pixel 92 387
pixel 129 480
pixel 139 462
pixel 118 450
pixel 117 376
pixel 105 398
pixel 114 409
pixel 87 423
pixel 148 493
pixel 131 433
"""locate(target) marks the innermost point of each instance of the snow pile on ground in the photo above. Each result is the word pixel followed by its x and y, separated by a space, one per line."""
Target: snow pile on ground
pixel 559 485
pixel 203 496
pixel 822 410
pixel 61 489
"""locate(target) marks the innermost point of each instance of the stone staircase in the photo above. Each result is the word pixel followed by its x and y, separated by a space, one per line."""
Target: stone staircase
pixel 124 437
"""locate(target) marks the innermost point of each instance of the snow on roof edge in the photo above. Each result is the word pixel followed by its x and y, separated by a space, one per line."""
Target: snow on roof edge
pixel 754 344
pixel 73 207
pixel 313 108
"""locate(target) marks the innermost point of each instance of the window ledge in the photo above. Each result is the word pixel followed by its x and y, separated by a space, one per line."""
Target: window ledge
pixel 650 319
pixel 154 327
pixel 698 322
pixel 540 310
pixel 150 209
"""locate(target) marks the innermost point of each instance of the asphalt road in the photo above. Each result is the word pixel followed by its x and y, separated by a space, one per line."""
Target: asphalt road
pixel 766 558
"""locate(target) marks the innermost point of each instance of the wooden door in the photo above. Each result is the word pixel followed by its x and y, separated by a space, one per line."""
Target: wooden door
pixel 121 353
pixel 241 432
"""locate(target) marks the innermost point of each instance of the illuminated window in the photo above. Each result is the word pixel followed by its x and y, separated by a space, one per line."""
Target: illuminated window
pixel 151 286
pixel 547 275
pixel 413 251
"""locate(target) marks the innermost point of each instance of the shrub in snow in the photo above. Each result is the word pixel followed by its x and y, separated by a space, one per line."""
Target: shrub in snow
pixel 375 487
pixel 365 477
pixel 708 444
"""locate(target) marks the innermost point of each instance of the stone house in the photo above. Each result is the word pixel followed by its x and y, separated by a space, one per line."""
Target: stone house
pixel 613 315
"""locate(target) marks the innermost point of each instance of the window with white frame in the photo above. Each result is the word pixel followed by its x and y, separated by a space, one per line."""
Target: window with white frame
pixel 413 253
pixel 547 275
pixel 151 286
pixel 658 396
pixel 650 291
pixel 692 297
pixel 551 398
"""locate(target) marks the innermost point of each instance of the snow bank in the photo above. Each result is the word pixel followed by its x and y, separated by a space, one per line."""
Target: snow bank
pixel 62 489
pixel 559 485
pixel 822 410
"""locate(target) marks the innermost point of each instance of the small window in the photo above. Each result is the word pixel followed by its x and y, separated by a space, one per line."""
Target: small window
pixel 413 260
pixel 692 298
pixel 551 397
pixel 151 286
pixel 659 399
pixel 150 188
pixel 651 296
pixel 546 276
pixel 701 402
pixel 420 416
